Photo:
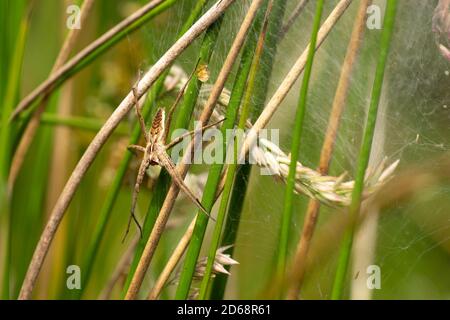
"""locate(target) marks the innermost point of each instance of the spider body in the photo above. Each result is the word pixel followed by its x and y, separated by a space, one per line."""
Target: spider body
pixel 155 153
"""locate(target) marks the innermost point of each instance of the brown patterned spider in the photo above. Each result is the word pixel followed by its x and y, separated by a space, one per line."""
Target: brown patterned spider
pixel 155 151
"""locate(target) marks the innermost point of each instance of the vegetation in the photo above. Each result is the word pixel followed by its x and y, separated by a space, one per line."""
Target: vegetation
pixel 346 197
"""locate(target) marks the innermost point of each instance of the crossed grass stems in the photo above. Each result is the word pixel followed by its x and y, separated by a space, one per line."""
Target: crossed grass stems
pixel 159 141
pixel 333 191
pixel 156 146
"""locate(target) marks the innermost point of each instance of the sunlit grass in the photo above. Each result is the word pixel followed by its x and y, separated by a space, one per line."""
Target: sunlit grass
pixel 408 102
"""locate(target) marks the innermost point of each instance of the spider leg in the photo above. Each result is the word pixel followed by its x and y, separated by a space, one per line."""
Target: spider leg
pixel 177 100
pixel 167 163
pixel 136 148
pixel 177 140
pixel 137 107
pixel 142 168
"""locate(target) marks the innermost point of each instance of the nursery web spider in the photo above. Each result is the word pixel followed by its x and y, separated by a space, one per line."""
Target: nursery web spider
pixel 155 150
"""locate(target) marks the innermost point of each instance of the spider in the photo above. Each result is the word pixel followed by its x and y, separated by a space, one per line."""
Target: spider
pixel 155 151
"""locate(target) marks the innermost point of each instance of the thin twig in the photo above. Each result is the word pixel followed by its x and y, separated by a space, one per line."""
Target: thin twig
pixel 78 123
pixel 292 77
pixel 365 150
pixel 312 213
pixel 32 126
pixel 287 83
pixel 172 263
pixel 243 120
pixel 183 166
pixel 99 140
pixel 47 85
pixel 288 207
pixel 184 241
pixel 298 9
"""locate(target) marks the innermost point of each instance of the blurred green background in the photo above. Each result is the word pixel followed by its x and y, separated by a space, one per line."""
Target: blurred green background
pixel 412 240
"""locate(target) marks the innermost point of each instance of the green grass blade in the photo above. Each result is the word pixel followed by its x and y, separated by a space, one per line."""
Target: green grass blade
pixel 98 51
pixel 243 173
pixel 216 169
pixel 11 13
pixel 30 213
pixel 111 197
pixel 364 155
pixel 12 90
pixel 115 188
pixel 299 119
pixel 164 178
pixel 77 122
pixel 4 47
pixel 218 227
pixel 204 287
pixel 183 117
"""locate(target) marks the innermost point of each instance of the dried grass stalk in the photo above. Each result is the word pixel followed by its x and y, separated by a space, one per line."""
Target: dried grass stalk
pixel 102 136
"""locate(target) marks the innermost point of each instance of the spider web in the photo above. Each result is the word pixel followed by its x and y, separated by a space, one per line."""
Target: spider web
pixel 412 243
